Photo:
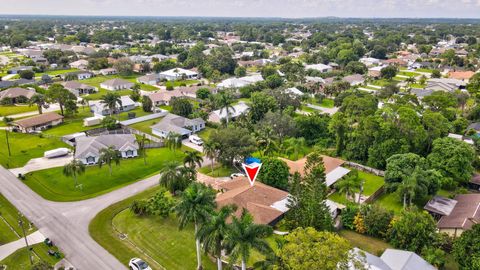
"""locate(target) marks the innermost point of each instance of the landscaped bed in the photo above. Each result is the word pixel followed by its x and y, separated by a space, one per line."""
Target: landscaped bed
pixel 53 185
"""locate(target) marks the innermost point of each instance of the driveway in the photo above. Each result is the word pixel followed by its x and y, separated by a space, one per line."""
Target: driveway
pixel 329 111
pixel 37 164
pixel 66 224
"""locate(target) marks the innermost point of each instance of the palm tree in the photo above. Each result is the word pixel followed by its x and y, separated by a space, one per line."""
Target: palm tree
pixel 243 236
pixel 295 146
pixel 210 149
pixel 196 205
pixel 224 101
pixel 74 169
pixel 349 185
pixel 407 190
pixel 141 147
pixel 410 80
pixel 173 141
pixel 39 100
pixel 108 156
pixel 213 232
pixel 192 159
pixel 112 101
pixel 84 103
pixel 266 142
pixel 172 177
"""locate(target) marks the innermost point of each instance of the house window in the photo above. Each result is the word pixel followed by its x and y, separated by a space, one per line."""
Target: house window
pixel 90 160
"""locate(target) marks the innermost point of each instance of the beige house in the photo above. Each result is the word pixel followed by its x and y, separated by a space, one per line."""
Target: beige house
pixel 38 122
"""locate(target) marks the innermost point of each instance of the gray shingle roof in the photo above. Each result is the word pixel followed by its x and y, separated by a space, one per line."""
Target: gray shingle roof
pixel 88 146
pixel 405 260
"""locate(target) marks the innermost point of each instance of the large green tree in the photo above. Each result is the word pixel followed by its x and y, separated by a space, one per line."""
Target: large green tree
pixel 274 172
pixel 466 249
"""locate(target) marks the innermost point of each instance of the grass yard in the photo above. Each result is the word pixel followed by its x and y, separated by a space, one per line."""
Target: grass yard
pixel 369 244
pixel 372 184
pixel 52 185
pixel 408 73
pixel 20 260
pixel 145 126
pixel 25 147
pixel 11 110
pixel 56 72
pixel 71 124
pixel 101 92
pixel 124 115
pixel 218 171
pixel 9 217
pixel 326 102
pixel 206 133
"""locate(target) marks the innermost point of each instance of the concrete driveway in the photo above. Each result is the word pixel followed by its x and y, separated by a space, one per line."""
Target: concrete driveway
pixel 37 164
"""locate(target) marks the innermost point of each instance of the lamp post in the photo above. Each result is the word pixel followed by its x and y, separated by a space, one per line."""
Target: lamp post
pixel 20 222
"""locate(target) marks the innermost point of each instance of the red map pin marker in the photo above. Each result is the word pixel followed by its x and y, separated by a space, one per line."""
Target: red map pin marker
pixel 251 170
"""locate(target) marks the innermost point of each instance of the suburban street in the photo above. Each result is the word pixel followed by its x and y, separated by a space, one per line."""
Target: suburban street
pixel 66 224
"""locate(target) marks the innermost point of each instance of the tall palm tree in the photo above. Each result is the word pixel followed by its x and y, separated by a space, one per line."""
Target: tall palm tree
pixel 74 169
pixel 108 156
pixel 243 236
pixel 141 147
pixel 210 149
pixel 349 185
pixel 213 232
pixel 410 80
pixel 173 141
pixel 266 141
pixel 173 177
pixel 407 190
pixel 112 100
pixel 84 103
pixel 39 100
pixel 192 159
pixel 196 205
pixel 225 101
pixel 295 146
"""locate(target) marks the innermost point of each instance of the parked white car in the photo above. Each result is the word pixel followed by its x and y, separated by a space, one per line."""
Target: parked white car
pixel 235 175
pixel 195 140
pixel 138 264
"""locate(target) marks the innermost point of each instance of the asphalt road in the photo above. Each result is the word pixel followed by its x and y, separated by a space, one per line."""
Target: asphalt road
pixel 67 223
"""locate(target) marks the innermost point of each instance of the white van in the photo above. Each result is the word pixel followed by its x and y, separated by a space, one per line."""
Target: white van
pixel 195 140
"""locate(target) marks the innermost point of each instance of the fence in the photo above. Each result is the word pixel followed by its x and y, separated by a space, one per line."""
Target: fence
pixel 365 168
pixel 375 195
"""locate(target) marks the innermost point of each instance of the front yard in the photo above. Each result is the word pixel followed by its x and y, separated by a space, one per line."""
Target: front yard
pixel 52 185
pixel 11 110
pixel 10 230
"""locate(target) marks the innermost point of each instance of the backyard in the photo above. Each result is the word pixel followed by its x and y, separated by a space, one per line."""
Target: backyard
pixel 371 185
pixel 53 185
pixel 24 147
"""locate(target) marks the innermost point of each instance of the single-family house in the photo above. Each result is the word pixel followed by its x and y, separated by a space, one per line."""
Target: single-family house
pixel 319 67
pixel 116 84
pixel 391 259
pixel 440 206
pixel 12 83
pixel 17 94
pixel 17 70
pixel 266 204
pixel 354 79
pixel 375 72
pixel 240 82
pixel 79 89
pixel 38 123
pixel 108 71
pixel 79 75
pixel 173 123
pixel 163 97
pixel 87 149
pixel 79 64
pixel 461 75
pixel 474 182
pixel 238 109
pixel 293 91
pixel 446 85
pixel 369 61
pixel 178 74
pixel 99 108
pixel 150 79
pixel 462 217
pixel 333 169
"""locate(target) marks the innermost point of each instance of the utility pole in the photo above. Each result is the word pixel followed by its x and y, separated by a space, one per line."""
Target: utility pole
pixel 20 222
pixel 8 143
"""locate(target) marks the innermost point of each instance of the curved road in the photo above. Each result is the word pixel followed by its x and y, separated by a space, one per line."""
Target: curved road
pixel 67 223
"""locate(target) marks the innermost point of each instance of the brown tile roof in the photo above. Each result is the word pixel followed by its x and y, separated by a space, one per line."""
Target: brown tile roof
pixel 464 215
pixel 475 179
pixel 330 164
pixel 257 199
pixel 461 75
pixel 38 120
pixel 16 92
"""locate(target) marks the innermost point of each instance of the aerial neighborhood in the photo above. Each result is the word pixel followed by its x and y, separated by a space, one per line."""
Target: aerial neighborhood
pixel 167 143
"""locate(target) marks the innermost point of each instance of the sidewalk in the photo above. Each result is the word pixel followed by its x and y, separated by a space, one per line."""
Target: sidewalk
pixel 7 249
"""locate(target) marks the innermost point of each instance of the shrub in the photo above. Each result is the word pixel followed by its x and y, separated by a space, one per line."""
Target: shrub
pixel 359 224
pixel 139 207
pixel 377 221
pixel 348 216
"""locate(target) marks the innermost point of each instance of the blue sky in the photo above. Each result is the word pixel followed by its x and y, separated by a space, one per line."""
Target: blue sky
pixel 249 8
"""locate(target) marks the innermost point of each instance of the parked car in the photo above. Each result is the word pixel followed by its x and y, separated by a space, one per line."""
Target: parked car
pixel 138 264
pixel 234 175
pixel 195 140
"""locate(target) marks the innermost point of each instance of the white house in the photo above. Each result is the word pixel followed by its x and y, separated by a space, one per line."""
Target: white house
pixel 79 88
pixel 320 67
pixel 369 61
pixel 238 109
pixel 150 79
pixel 173 123
pixel 108 71
pixel 179 74
pixel 240 82
pixel 98 108
pixel 87 149
pixel 116 84
pixel 80 64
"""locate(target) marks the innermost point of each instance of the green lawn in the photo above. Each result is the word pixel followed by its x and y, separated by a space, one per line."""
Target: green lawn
pixel 180 82
pixel 20 260
pixel 101 92
pixel 56 72
pixel 326 102
pixel 9 220
pixel 124 115
pixel 372 184
pixel 11 110
pixel 97 80
pixel 383 82
pixel 206 133
pixel 25 147
pixel 218 171
pixel 145 126
pixel 166 107
pixel 71 124
pixel 53 185
pixel 408 73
